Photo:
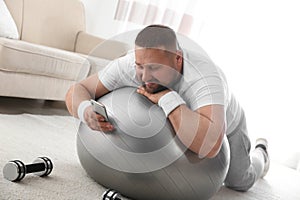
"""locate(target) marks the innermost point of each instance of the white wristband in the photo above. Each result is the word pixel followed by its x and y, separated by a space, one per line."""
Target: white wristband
pixel 170 101
pixel 81 108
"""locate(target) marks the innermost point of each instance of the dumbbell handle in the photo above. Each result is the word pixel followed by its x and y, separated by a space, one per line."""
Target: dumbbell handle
pixel 36 167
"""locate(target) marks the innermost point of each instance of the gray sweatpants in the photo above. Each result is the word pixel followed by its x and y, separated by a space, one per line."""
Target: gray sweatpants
pixel 244 168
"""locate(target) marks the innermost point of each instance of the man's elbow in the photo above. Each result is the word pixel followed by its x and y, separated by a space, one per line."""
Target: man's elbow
pixel 213 153
pixel 217 147
pixel 69 99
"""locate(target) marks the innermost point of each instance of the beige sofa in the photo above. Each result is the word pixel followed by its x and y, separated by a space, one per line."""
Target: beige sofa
pixel 53 50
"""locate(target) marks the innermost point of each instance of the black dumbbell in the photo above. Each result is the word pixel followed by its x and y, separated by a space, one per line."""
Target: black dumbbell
pixel 111 195
pixel 16 170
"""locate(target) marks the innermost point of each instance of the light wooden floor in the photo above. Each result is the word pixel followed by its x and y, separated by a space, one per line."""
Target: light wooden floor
pixel 10 105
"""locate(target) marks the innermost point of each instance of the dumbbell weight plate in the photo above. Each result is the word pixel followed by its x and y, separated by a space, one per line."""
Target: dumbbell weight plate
pixel 14 171
pixel 48 166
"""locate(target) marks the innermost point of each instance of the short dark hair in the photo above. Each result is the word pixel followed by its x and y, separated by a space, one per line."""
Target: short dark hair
pixel 154 36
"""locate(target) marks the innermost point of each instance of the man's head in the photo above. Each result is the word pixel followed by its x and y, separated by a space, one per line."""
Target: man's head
pixel 158 58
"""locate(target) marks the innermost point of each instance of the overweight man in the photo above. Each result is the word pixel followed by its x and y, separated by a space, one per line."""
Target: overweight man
pixel 192 92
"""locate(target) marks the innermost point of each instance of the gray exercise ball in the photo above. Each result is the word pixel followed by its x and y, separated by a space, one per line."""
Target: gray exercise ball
pixel 142 158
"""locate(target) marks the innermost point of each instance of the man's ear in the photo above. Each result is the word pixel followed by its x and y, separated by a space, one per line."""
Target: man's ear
pixel 178 53
pixel 179 57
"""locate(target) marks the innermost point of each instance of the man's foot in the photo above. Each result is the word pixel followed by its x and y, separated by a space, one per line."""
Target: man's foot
pixel 262 143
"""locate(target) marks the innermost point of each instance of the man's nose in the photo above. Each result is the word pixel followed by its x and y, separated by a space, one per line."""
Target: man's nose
pixel 146 76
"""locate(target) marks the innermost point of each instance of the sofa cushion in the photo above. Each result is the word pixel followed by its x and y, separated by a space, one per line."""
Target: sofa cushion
pixel 8 26
pixel 96 63
pixel 33 86
pixel 53 23
pixel 15 8
pixel 97 47
pixel 24 57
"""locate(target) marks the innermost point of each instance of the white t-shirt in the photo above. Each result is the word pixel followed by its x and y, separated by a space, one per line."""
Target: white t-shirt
pixel 202 83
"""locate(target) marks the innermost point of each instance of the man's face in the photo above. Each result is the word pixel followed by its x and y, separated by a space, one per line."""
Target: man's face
pixel 156 68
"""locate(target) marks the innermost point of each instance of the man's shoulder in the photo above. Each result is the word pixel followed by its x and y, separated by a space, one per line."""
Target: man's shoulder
pixel 195 57
pixel 123 63
pixel 196 66
pixel 127 58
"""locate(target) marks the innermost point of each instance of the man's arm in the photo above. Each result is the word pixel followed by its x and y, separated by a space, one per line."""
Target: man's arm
pixel 201 131
pixel 90 88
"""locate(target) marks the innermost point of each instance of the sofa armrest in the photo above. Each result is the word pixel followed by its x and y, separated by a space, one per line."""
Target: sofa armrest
pixel 99 47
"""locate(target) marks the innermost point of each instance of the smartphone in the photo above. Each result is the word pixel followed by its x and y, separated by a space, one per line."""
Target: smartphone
pixel 99 108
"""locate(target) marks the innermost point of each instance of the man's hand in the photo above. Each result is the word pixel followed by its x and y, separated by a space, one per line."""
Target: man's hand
pixel 96 121
pixel 152 97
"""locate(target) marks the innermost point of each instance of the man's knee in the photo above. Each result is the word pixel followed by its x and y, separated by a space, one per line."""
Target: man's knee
pixel 241 184
pixel 239 188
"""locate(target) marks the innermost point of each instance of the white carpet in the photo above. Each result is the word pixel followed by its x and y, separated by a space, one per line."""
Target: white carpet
pixel 27 136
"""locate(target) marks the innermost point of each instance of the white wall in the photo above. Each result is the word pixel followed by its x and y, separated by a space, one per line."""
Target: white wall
pixel 99 17
pixel 257 44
